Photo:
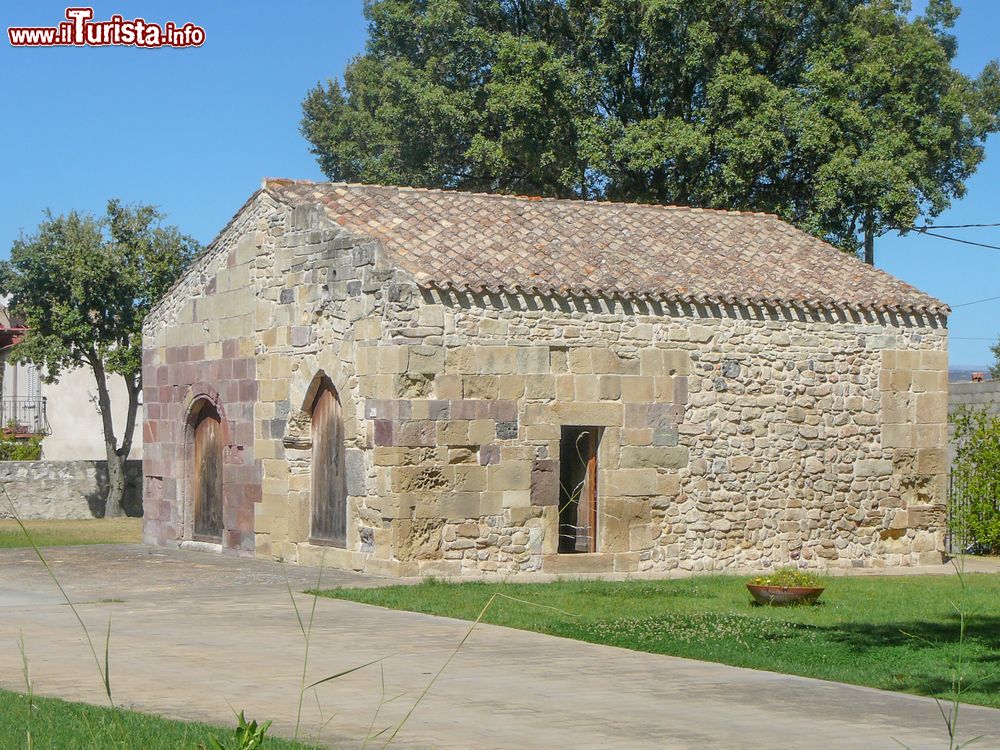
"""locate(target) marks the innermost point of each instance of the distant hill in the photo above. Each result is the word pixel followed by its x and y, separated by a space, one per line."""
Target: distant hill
pixel 963 373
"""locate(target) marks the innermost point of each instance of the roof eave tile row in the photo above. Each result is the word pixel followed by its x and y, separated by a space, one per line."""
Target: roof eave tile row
pixel 667 297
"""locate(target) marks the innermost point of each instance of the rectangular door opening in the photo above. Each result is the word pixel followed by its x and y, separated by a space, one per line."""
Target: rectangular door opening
pixel 578 489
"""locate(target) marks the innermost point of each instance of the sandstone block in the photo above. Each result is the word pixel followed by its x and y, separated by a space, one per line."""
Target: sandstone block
pixel 458 506
pixel 393 359
pixel 872 468
pixel 425 359
pixel 897 436
pixel 630 482
pixel 700 334
pixel 496 360
pixel 481 387
pixel 448 387
pixel 453 432
pixel 565 390
pixel 512 387
pixel 482 431
pixel 932 460
pixel 544 482
pixel 934 557
pixel 656 457
pixel 597 414
pixel 934 360
pixel 927 516
pixel 605 361
pixel 636 389
pixel 640 537
pixel 626 562
pixel 907 359
pixel 510 475
pixel 538 387
pixel 518 516
pixel 515 498
pixel 609 387
pixel 933 435
pixel 470 478
pixel 578 563
pixel 651 362
pixel 532 359
pixel 579 361
pixel 932 408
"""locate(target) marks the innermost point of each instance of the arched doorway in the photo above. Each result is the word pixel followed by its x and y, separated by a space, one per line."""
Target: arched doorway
pixel 207 484
pixel 329 482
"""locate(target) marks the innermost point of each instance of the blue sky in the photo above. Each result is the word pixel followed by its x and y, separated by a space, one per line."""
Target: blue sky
pixel 194 130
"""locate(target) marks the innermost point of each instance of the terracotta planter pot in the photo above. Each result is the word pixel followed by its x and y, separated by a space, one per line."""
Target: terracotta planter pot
pixel 779 595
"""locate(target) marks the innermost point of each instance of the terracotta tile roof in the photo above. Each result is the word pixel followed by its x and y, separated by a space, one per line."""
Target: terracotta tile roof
pixel 478 242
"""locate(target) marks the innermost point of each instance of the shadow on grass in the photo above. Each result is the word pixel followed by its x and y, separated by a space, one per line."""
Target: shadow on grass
pixel 935 649
pixel 982 631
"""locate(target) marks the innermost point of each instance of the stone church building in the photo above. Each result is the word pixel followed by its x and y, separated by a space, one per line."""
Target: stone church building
pixel 409 381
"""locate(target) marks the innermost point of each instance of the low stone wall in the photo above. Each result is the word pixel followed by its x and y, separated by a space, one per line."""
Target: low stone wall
pixel 65 489
pixel 975 395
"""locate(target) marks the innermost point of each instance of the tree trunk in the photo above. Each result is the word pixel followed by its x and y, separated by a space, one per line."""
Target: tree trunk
pixel 869 239
pixel 114 505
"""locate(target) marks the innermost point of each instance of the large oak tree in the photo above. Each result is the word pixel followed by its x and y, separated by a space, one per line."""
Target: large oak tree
pixel 83 285
pixel 846 117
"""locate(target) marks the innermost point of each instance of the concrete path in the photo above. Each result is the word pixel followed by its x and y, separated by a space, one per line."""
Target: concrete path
pixel 197 633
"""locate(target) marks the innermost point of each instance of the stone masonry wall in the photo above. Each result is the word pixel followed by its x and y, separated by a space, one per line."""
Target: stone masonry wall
pixel 198 346
pixel 731 437
pixel 65 489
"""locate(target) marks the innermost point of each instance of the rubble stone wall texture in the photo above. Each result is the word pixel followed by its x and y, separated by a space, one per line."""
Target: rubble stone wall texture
pixel 65 489
pixel 731 437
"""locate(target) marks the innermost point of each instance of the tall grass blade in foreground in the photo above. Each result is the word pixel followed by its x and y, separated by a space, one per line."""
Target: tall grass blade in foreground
pixel 950 716
pixel 306 628
pixel 482 613
pixel 103 670
pixel 28 686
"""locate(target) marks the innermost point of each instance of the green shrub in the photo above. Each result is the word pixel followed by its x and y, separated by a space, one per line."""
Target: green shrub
pixel 975 496
pixel 20 450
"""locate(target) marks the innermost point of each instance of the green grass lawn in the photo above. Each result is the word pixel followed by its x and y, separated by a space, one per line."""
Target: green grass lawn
pixel 63 533
pixel 896 633
pixel 59 725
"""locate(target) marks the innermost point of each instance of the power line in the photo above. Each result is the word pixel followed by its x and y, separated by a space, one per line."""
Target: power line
pixel 952 226
pixel 956 239
pixel 971 338
pixel 976 302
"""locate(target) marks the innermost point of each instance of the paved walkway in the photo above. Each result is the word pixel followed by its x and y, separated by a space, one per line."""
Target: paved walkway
pixel 197 633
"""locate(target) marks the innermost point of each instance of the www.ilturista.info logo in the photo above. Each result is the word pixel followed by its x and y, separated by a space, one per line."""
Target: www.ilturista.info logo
pixel 80 30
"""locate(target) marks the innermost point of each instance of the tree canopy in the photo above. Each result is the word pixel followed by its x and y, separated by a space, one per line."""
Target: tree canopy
pixel 846 117
pixel 84 285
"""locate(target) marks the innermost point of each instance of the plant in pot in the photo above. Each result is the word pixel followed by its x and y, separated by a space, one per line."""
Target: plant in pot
pixel 786 586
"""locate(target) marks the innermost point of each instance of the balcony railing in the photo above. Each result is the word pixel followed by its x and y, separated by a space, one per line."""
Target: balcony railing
pixel 23 417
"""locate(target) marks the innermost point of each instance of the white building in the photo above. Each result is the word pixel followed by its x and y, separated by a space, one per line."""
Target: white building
pixel 65 413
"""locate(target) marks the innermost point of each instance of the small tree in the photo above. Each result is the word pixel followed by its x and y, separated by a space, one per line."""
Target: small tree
pixel 975 510
pixel 84 285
